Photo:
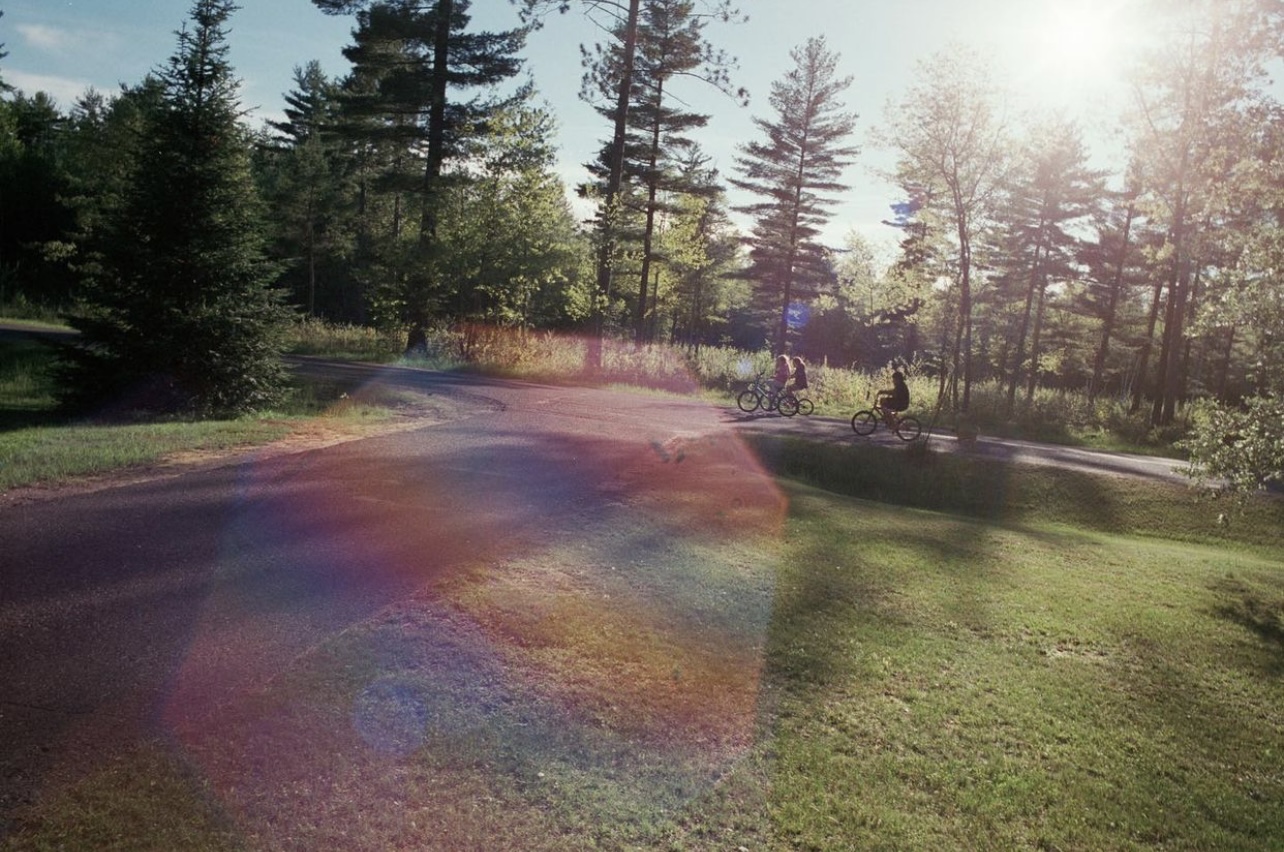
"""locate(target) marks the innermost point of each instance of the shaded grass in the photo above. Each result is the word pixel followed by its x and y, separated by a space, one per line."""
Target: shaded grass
pixel 1016 494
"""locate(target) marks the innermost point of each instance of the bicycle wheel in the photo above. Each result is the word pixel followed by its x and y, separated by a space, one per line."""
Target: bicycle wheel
pixel 864 422
pixel 908 428
pixel 748 401
pixel 805 407
pixel 770 401
pixel 788 405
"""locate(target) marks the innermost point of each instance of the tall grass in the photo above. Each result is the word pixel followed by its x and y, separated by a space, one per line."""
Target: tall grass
pixel 1050 415
pixel 310 336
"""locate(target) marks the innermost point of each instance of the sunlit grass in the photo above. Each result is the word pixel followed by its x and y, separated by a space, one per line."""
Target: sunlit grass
pixel 54 453
pixel 309 336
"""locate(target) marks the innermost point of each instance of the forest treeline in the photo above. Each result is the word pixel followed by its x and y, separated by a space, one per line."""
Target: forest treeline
pixel 419 190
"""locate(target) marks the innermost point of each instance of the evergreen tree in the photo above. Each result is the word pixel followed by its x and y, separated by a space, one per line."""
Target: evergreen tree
pixel 182 318
pixel 1049 192
pixel 700 247
pixel 104 141
pixel 4 87
pixel 622 19
pixel 796 170
pixel 302 171
pixel 670 46
pixel 36 223
pixel 408 57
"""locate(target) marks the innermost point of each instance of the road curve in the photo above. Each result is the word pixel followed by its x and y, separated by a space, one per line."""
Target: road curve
pixel 151 609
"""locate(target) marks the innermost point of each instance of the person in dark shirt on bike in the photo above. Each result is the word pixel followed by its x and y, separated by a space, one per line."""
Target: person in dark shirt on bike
pixel 895 399
pixel 800 375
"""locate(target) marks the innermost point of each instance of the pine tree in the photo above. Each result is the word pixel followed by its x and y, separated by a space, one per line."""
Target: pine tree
pixel 301 171
pixel 4 87
pixel 796 170
pixel 1051 190
pixel 182 317
pixel 409 59
pixel 670 46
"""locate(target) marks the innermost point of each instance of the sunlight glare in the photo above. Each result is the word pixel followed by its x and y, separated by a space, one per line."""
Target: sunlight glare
pixel 1077 45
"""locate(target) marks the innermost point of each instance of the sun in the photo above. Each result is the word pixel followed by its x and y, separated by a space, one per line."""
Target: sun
pixel 1079 38
pixel 1072 49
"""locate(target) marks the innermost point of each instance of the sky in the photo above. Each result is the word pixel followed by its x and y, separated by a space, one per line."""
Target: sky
pixel 1053 54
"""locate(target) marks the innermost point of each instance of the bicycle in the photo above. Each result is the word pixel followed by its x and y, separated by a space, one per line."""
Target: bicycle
pixel 759 394
pixel 865 422
pixel 789 404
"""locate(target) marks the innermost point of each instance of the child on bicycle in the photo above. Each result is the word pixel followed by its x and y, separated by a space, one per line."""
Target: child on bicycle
pixel 895 399
pixel 800 375
pixel 781 377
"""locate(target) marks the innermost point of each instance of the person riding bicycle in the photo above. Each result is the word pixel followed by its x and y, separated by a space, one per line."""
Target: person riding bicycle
pixel 800 375
pixel 781 377
pixel 895 399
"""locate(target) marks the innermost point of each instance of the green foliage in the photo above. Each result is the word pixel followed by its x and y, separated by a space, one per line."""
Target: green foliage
pixel 35 216
pixel 797 173
pixel 1242 446
pixel 510 249
pixel 180 316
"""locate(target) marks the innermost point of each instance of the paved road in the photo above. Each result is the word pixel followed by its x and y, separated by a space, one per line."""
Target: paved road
pixel 994 449
pixel 147 609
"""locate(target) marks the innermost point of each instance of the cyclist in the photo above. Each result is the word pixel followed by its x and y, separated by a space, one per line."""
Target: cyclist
pixel 800 375
pixel 893 400
pixel 781 376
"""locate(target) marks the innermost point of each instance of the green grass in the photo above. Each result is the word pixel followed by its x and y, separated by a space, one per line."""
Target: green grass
pixel 887 650
pixel 914 476
pixel 962 684
pixel 38 446
pixel 860 675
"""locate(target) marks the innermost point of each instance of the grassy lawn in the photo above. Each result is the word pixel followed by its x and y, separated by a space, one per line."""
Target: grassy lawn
pixel 38 447
pixel 856 675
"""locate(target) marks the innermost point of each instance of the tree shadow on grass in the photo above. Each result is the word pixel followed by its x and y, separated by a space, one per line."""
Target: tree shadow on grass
pixel 975 488
pixel 1259 612
pixel 13 419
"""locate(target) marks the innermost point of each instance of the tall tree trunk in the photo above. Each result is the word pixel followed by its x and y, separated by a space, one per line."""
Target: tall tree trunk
pixel 436 121
pixel 1018 354
pixel 787 272
pixel 1223 372
pixel 1138 391
pixel 1112 307
pixel 614 182
pixel 640 324
pixel 965 305
pixel 1036 339
pixel 1188 344
pixel 1165 408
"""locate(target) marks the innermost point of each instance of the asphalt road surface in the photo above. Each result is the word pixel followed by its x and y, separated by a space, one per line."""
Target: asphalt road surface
pixel 137 611
pixel 141 610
